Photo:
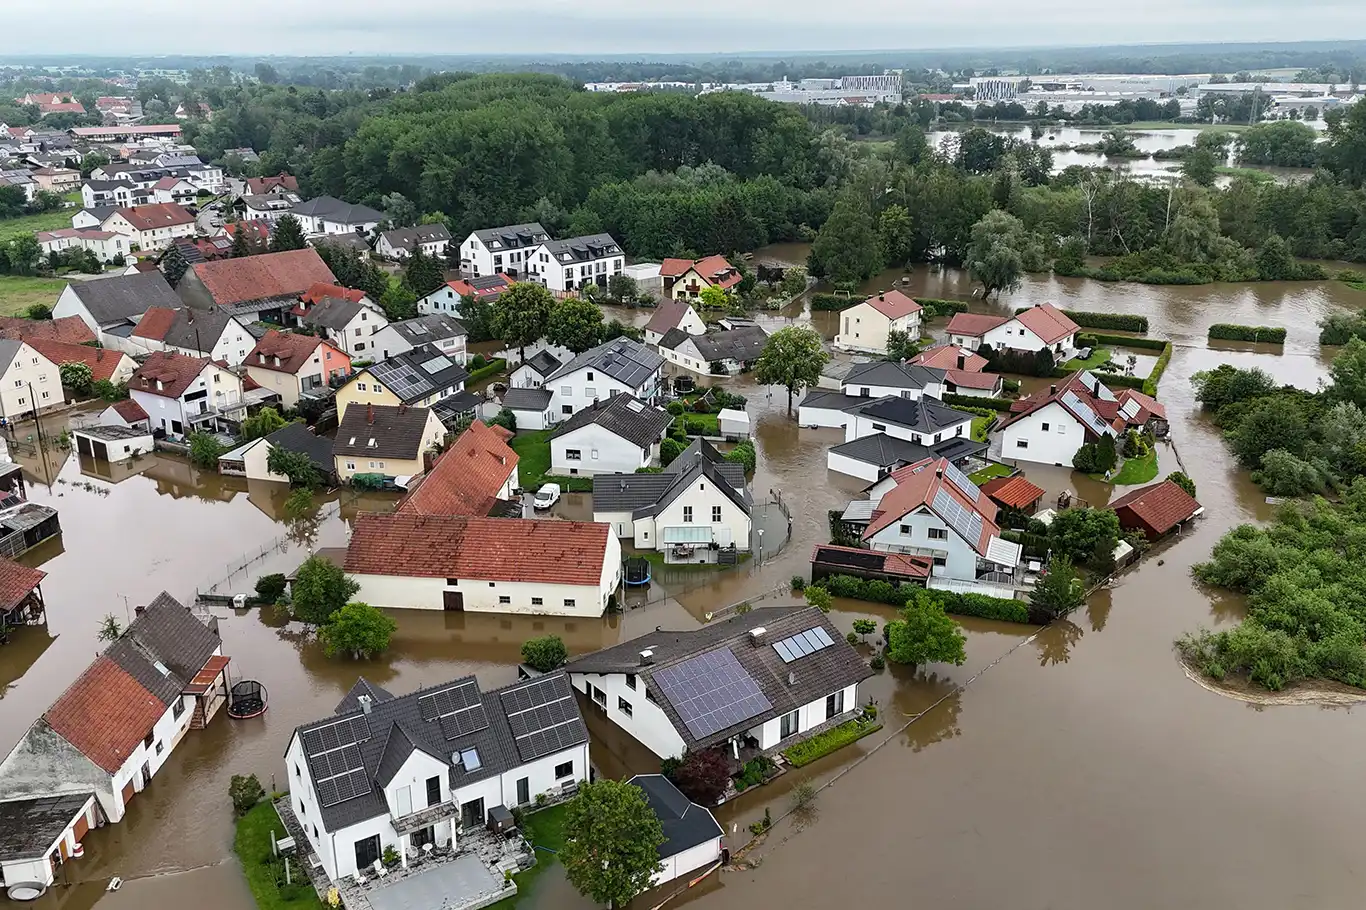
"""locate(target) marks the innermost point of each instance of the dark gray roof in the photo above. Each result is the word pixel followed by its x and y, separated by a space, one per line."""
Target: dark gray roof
pixel 543 362
pixel 882 450
pixel 396 726
pixel 192 328
pixel 527 399
pixel 926 415
pixel 452 407
pixel 583 249
pixel 333 312
pixel 106 185
pixel 396 431
pixel 297 437
pixel 345 241
pixel 416 374
pixel 363 686
pixel 816 675
pixel 833 401
pixel 623 415
pixel 333 209
pixel 628 362
pixel 423 329
pixel 166 634
pixel 672 338
pixel 685 823
pixel 956 448
pixel 29 827
pixel 8 348
pixel 892 374
pixel 629 492
pixel 513 236
pixel 122 297
pixel 646 494
pixel 408 238
pixel 101 213
pixel 743 344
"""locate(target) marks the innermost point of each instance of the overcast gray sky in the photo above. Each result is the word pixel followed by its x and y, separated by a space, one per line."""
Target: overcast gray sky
pixel 334 27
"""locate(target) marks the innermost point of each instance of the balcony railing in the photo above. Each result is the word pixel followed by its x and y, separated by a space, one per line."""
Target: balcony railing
pixel 423 818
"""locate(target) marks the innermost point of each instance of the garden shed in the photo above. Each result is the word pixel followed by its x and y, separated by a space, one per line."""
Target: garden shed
pixel 734 424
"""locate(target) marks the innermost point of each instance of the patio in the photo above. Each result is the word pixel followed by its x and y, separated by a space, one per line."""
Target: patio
pixel 463 882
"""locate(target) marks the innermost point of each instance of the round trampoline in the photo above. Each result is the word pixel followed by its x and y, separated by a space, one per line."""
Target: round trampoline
pixel 247 698
pixel 637 571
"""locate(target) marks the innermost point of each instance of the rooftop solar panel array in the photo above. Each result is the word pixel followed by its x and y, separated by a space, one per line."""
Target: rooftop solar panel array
pixel 966 522
pixel 711 692
pixel 543 718
pixel 1084 413
pixel 960 480
pixel 800 645
pixel 334 760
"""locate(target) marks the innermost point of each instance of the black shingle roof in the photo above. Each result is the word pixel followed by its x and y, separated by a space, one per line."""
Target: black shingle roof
pixel 893 375
pixel 926 415
pixel 543 362
pixel 527 399
pixel 408 238
pixel 332 209
pixel 333 312
pixel 297 437
pixel 169 634
pixel 423 329
pixel 647 494
pixel 685 823
pixel 623 415
pixel 363 686
pixel 743 344
pixel 397 432
pixel 628 362
pixel 29 827
pixel 123 297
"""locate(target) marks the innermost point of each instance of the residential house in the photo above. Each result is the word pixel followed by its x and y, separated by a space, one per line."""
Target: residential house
pixel 934 512
pixel 727 351
pixel 611 368
pixel 1156 510
pixel 673 314
pixel 126 413
pixel 757 682
pixel 397 774
pixel 262 186
pixel 570 265
pixel 347 322
pixel 351 243
pixel 266 284
pixel 698 504
pixel 112 443
pixel 113 194
pixel 70 329
pixel 533 371
pixel 485 565
pixel 476 476
pixel 113 729
pixel 41 836
pixel 1042 326
pixel 440 331
pixel 893 568
pixel 399 243
pixel 109 303
pixel 215 334
pixel 256 230
pixel 296 366
pixel 867 326
pixel 531 408
pixel 57 179
pixel 104 244
pixel 1050 425
pixel 152 227
pixel 886 432
pixel 685 279
pixel 174 189
pixel 385 440
pixel 417 378
pixel 105 365
pixel 327 215
pixel 252 459
pixel 502 249
pixel 92 218
pixel 183 394
pixel 881 378
pixel 963 371
pixel 614 435
pixel 269 208
pixel 446 299
pixel 692 836
pixel 29 382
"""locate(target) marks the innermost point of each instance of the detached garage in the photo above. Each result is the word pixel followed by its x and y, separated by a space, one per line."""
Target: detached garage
pixel 112 443
pixel 38 835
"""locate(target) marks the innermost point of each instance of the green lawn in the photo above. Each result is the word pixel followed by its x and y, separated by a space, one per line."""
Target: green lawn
pixel 1137 470
pixel 533 464
pixel 1258 175
pixel 18 293
pixel 700 424
pixel 252 846
pixel 987 473
pixel 32 224
pixel 1098 356
pixel 541 829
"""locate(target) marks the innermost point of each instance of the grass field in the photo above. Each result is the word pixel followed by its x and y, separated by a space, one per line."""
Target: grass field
pixel 1254 173
pixel 1098 356
pixel 18 293
pixel 27 224
pixel 1137 470
pixel 252 846
pixel 987 473
pixel 980 427
pixel 1167 125
pixel 542 829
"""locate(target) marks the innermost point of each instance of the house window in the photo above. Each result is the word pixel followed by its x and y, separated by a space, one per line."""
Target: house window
pixel 687 514
pixel 906 529
pixel 433 790
pixel 564 770
pixel 178 708
pixel 1062 428
pixel 452 582
pixel 566 409
pixel 315 832
pixel 938 534
pixel 523 791
pixel 160 748
pixel 567 391
pixel 573 455
pixel 537 601
pixel 834 704
pixel 504 599
pixel 649 696
pixel 297 773
pixel 590 392
pixel 360 386
pixel 1045 428
pixel 623 706
pixel 590 374
pixel 787 726
pixel 1022 443
pixel 569 601
pixel 630 680
pixel 350 466
pixel 367 851
pixel 147 742
pixel 716 514
pixel 880 427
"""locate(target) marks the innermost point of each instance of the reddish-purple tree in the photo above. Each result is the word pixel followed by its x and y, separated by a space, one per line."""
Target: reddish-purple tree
pixel 702 776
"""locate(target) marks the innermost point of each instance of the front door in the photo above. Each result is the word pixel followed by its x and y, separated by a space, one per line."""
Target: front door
pixel 472 814
pixel 405 801
pixel 367 851
pixel 453 601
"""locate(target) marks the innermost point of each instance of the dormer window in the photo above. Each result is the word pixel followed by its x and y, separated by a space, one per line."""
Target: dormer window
pixel 160 386
pixel 372 444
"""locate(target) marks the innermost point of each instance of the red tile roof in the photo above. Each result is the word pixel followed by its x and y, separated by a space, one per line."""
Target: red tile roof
pixel 155 323
pixel 974 324
pixel 1131 409
pixel 129 410
pixel 258 226
pixel 464 288
pixel 668 315
pixel 482 549
pixel 293 351
pixel 174 371
pixel 102 361
pixel 1048 322
pixel 893 304
pixel 322 290
pixel 286 274
pixel 969 380
pixel 1013 492
pixel 1161 506
pixel 468 476
pixel 156 215
pixel 105 714
pixel 945 357
pixel 71 329
pixel 716 270
pixel 16 581
pixel 259 186
pixel 916 486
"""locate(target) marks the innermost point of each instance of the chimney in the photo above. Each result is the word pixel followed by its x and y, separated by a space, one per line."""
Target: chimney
pixel 139 610
pixel 647 657
pixel 1053 389
pixel 364 701
pixel 402 408
pixel 962 361
pixel 881 297
pixel 370 413
pixel 756 635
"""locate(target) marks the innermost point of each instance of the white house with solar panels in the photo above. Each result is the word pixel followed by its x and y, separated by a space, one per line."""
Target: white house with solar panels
pixel 416 772
pixel 611 368
pixel 751 684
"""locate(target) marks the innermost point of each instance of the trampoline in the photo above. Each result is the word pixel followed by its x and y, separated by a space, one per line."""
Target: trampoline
pixel 637 571
pixel 247 698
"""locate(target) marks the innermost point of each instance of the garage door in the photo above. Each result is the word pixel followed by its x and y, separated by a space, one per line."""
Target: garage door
pixel 127 794
pixel 83 445
pixel 81 827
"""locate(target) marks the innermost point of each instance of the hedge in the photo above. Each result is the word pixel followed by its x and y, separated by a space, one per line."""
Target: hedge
pixel 1118 322
pixel 885 592
pixel 1150 384
pixel 977 402
pixel 831 302
pixel 1226 331
pixel 1091 339
pixel 935 306
pixel 493 367
pixel 832 740
pixel 1120 381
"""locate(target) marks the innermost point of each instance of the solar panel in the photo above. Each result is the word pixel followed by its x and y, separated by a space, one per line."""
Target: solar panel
pixel 960 480
pixel 967 523
pixel 437 364
pixel 711 692
pixel 1085 413
pixel 543 717
pixel 463 722
pixel 803 643
pixel 335 735
pixel 448 700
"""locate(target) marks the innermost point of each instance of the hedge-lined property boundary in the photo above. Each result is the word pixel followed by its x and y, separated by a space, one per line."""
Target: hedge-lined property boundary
pixel 492 368
pixel 1116 322
pixel 1227 331
pixel 885 592
pixel 832 740
pixel 977 402
pixel 1091 339
pixel 832 302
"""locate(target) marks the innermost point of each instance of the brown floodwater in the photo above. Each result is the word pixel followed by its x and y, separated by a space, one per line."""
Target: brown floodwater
pixel 1085 741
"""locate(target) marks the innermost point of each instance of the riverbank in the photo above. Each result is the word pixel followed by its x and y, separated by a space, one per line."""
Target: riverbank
pixel 1324 693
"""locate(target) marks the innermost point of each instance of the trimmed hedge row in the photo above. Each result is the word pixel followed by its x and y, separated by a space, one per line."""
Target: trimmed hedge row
pixel 1150 384
pixel 493 367
pixel 831 302
pixel 1120 381
pixel 1118 322
pixel 1227 331
pixel 937 307
pixel 896 595
pixel 975 401
pixel 1091 339
pixel 832 740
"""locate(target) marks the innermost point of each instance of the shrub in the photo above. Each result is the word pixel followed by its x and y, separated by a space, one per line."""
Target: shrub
pixel 702 776
pixel 476 362
pixel 988 406
pixel 798 583
pixel 819 597
pixel 675 408
pixel 865 627
pixel 245 792
pixel 506 419
pixel 491 368
pixel 755 772
pixel 935 307
pixel 545 654
pixel 1118 322
pixel 852 638
pixel 834 739
pixel 1181 480
pixel 270 588
pixel 877 591
pixel 1230 332
pixel 1091 339
pixel 744 454
pixel 831 302
pixel 1150 384
pixel 670 449
pixel 803 795
pixel 877 663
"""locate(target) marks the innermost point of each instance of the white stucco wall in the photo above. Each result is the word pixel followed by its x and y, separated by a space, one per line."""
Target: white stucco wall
pixel 1056 445
pixel 821 417
pixel 856 389
pixel 862 328
pixel 843 464
pixel 809 715
pixel 703 497
pixel 690 860
pixel 860 426
pixel 648 723
pixel 601 451
pixel 961 558
pixel 533 420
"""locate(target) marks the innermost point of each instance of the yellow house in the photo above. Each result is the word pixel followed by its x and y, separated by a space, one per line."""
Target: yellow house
pixel 385 439
pixel 418 378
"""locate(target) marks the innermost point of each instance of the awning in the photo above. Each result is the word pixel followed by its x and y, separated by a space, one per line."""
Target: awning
pixel 205 677
pixel 688 534
pixel 1003 552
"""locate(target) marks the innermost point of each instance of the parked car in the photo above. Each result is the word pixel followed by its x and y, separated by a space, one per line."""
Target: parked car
pixel 546 496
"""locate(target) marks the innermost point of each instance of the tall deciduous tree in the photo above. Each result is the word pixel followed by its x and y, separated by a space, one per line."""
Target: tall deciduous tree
pixel 612 840
pixel 1059 590
pixel 320 589
pixel 359 630
pixel 792 358
pixel 575 323
pixel 288 234
pixel 174 265
pixel 995 257
pixel 846 248
pixel 521 315
pixel 924 634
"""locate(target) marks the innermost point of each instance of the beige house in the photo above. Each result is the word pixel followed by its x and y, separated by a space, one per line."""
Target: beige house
pixel 866 326
pixel 386 440
pixel 28 380
pixel 57 179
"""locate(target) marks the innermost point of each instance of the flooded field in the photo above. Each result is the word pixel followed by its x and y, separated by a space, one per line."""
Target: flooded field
pixel 1081 763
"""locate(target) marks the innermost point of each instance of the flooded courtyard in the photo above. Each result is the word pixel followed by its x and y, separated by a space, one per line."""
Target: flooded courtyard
pixel 1080 768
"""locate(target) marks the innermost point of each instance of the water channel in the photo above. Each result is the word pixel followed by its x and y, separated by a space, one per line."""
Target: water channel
pixel 1081 768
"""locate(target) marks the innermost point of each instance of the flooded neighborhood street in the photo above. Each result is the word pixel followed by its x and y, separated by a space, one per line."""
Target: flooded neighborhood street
pixel 1079 769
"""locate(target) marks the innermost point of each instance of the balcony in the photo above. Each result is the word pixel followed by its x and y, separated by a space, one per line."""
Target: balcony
pixel 423 818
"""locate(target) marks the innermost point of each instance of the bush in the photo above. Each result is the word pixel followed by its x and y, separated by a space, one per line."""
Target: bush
pixel 935 307
pixel 877 663
pixel 270 588
pixel 702 776
pixel 1118 322
pixel 1091 339
pixel 1026 363
pixel 755 772
pixel 1341 328
pixel 1229 332
pixel 545 654
pixel 478 361
pixel 245 792
pixel 818 597
pixel 976 403
pixel 852 638
pixel 798 583
pixel 670 449
pixel 505 419
pixel 493 367
pixel 674 407
pixel 877 591
pixel 1150 384
pixel 822 744
pixel 803 795
pixel 1181 480
pixel 832 302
